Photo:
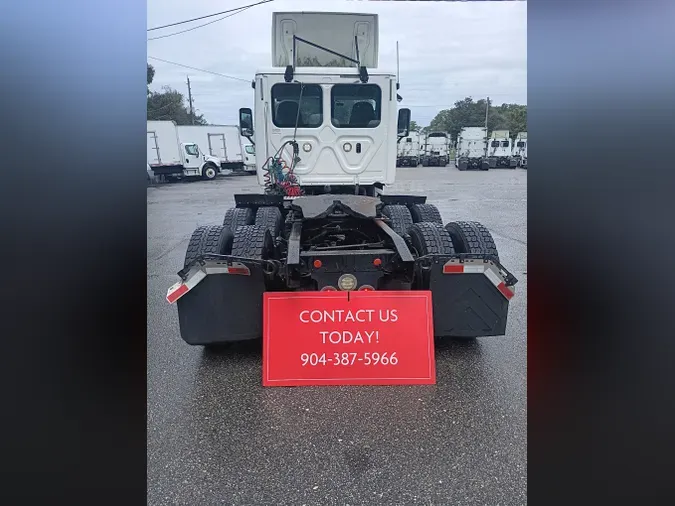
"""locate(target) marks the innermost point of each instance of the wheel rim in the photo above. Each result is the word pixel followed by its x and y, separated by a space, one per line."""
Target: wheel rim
pixel 210 173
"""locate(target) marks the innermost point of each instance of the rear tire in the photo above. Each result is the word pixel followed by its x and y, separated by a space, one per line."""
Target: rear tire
pixel 237 217
pixel 253 241
pixel 426 213
pixel 270 218
pixel 401 219
pixel 471 237
pixel 430 239
pixel 214 239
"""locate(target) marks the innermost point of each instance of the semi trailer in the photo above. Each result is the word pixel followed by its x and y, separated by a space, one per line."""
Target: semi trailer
pixel 499 150
pixel 171 158
pixel 470 149
pixel 325 139
pixel 519 153
pixel 436 150
pixel 409 150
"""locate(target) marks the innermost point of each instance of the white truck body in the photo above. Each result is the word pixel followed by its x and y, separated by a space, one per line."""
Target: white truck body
pixel 409 150
pixel 219 141
pixel 500 144
pixel 168 156
pixel 347 129
pixel 437 149
pixel 520 149
pixel 470 148
pixel 248 151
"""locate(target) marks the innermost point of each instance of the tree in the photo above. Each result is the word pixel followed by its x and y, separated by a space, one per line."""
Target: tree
pixel 169 104
pixel 414 127
pixel 467 113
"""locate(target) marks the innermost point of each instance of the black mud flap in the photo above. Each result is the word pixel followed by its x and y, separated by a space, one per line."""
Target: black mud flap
pixel 463 164
pixel 223 302
pixel 470 294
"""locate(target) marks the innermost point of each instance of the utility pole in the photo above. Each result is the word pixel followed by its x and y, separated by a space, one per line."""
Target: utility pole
pixel 192 113
pixel 487 137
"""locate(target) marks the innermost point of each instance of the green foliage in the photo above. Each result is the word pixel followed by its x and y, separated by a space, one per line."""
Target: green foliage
pixel 467 113
pixel 169 104
pixel 414 127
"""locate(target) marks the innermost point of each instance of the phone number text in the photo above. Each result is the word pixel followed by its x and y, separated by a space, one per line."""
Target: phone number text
pixel 342 359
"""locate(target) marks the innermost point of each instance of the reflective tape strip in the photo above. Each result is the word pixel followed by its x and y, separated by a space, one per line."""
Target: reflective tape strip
pixel 182 287
pixel 490 271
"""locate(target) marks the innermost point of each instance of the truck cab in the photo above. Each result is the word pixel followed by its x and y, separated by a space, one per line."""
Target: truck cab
pixel 519 153
pixel 323 98
pixel 437 149
pixel 499 149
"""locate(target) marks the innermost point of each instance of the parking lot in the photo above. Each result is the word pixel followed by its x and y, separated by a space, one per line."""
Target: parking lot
pixel 215 436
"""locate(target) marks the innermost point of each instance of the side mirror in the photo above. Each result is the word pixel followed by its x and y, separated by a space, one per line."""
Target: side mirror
pixel 403 122
pixel 245 122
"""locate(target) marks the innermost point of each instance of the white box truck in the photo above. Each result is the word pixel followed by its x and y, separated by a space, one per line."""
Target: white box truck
pixel 219 141
pixel 499 150
pixel 408 151
pixel 470 149
pixel 436 149
pixel 171 158
pixel 519 153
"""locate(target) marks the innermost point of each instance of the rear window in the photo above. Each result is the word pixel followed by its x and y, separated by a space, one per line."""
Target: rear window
pixel 494 144
pixel 285 100
pixel 408 139
pixel 505 144
pixel 520 144
pixel 356 105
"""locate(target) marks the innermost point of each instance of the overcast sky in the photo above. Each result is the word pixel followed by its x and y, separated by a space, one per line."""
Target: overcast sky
pixel 447 50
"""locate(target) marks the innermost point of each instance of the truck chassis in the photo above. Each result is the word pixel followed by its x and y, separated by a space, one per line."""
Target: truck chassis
pixel 338 242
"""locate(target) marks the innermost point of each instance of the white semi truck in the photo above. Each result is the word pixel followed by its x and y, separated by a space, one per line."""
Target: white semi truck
pixel 519 152
pixel 470 149
pixel 219 141
pixel 436 149
pixel 326 129
pixel 171 158
pixel 499 150
pixel 408 153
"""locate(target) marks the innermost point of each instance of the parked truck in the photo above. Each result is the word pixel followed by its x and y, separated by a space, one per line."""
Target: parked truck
pixel 436 149
pixel 519 153
pixel 249 155
pixel 499 150
pixel 171 158
pixel 470 149
pixel 409 150
pixel 323 221
pixel 219 141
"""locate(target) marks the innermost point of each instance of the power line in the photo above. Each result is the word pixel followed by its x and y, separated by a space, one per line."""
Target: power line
pixel 242 9
pixel 207 16
pixel 201 70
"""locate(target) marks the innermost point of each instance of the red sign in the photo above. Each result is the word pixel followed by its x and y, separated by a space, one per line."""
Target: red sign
pixel 348 338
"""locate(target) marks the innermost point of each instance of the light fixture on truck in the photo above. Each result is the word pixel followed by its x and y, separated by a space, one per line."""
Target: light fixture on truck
pixel 347 282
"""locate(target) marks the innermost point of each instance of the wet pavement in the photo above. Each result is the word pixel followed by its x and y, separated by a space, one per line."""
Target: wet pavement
pixel 215 436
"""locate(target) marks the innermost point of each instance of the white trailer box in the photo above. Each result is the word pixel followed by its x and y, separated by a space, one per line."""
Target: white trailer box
pixel 219 141
pixel 499 149
pixel 470 149
pixel 170 157
pixel 340 32
pixel 409 150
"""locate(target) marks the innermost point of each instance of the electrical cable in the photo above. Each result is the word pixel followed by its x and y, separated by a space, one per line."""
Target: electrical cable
pixel 201 70
pixel 207 16
pixel 242 9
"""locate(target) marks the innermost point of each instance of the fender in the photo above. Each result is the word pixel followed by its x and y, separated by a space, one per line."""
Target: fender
pixel 210 159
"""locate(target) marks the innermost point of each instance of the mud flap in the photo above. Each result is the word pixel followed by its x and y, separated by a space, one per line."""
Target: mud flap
pixel 470 296
pixel 463 164
pixel 220 301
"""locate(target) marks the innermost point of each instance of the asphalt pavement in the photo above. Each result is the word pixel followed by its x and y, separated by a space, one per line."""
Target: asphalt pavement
pixel 216 436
